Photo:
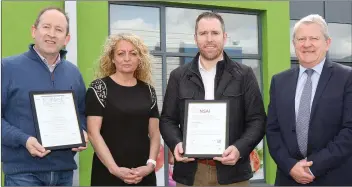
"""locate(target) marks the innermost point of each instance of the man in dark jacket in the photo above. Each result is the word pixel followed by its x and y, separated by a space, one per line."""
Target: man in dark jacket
pixel 213 76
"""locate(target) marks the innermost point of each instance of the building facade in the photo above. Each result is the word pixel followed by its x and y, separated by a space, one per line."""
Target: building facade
pixel 258 36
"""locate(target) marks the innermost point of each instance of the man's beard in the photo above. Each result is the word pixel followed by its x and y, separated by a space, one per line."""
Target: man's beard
pixel 211 56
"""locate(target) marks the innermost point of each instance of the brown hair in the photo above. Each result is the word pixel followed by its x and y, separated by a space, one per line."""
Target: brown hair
pixel 210 15
pixel 36 23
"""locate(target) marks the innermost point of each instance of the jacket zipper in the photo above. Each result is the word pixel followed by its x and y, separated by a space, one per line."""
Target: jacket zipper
pixel 52 78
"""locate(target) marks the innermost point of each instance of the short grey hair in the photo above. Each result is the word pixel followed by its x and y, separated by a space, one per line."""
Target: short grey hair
pixel 313 18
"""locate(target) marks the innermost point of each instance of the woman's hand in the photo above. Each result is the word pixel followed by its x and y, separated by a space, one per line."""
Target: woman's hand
pixel 125 174
pixel 142 171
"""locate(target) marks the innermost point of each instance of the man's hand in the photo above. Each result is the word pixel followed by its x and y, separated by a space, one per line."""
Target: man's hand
pixel 35 149
pixel 300 172
pixel 178 154
pixel 230 156
pixel 86 141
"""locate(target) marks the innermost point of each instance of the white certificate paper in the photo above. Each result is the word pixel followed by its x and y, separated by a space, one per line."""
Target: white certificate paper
pixel 206 129
pixel 57 120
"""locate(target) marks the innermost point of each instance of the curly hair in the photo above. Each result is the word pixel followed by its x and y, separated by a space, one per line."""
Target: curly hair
pixel 107 67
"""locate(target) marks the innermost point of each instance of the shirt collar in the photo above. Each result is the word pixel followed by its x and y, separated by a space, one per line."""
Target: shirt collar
pixel 201 68
pixel 317 68
pixel 44 60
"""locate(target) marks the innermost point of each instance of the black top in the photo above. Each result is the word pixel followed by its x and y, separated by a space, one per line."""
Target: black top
pixel 126 112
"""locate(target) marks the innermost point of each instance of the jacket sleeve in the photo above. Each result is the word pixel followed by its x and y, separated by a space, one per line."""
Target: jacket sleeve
pixel 255 117
pixel 170 120
pixel 276 146
pixel 339 149
pixel 10 135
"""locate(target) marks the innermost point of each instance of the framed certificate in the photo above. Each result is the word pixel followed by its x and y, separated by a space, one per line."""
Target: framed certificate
pixel 56 119
pixel 206 128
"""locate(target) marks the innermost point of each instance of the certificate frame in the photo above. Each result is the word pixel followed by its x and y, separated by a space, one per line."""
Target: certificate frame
pixel 32 95
pixel 185 127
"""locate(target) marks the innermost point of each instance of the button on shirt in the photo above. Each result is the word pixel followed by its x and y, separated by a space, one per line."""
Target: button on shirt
pixel 302 77
pixel 51 67
pixel 208 78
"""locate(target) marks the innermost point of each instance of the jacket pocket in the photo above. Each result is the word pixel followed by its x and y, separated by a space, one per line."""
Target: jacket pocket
pixel 186 94
pixel 233 91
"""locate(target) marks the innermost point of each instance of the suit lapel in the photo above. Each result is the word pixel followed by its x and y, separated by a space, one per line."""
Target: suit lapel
pixel 291 95
pixel 323 81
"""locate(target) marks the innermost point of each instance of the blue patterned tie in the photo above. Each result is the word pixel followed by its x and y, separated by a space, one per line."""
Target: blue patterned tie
pixel 303 116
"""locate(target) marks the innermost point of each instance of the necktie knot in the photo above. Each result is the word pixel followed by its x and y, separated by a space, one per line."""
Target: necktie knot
pixel 309 72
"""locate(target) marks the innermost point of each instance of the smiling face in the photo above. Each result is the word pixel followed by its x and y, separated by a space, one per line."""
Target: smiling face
pixel 126 58
pixel 310 44
pixel 210 38
pixel 50 35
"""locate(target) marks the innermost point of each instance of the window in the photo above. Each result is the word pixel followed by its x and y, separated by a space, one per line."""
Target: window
pixel 242 34
pixel 292 48
pixel 142 21
pixel 338 15
pixel 338 11
pixel 180 24
pixel 341 41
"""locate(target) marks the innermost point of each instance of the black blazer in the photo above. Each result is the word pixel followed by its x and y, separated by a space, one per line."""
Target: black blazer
pixel 234 82
pixel 330 129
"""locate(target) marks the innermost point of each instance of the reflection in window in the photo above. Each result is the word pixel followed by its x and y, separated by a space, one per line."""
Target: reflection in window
pixel 292 48
pixel 174 62
pixel 180 23
pixel 347 64
pixel 158 79
pixel 294 64
pixel 242 33
pixel 341 41
pixel 142 21
pixel 255 65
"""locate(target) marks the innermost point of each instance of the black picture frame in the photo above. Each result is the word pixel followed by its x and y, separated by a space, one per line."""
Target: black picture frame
pixel 185 126
pixel 35 117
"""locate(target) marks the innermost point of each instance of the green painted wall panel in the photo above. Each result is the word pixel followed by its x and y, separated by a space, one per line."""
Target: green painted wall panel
pixel 92 30
pixel 276 58
pixel 17 18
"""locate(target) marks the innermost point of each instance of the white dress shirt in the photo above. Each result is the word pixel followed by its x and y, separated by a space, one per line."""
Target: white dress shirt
pixel 302 78
pixel 208 78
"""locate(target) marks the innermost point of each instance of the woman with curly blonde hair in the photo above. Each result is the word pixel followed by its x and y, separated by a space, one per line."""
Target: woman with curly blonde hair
pixel 122 115
pixel 107 67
